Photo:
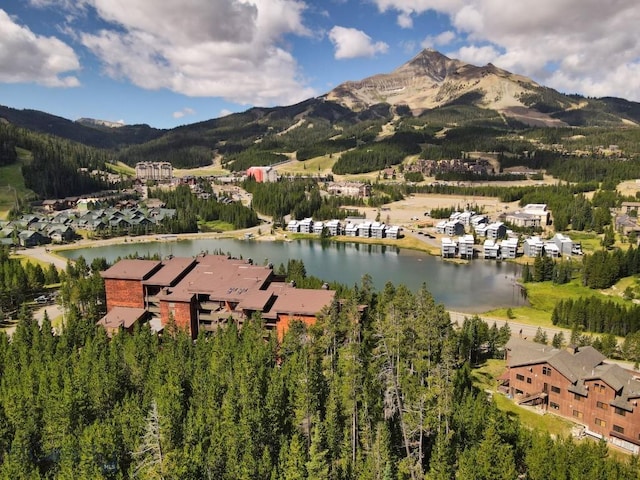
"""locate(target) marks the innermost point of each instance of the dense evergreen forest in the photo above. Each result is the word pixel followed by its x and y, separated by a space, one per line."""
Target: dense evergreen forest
pixel 603 268
pixel 19 283
pixel 190 209
pixel 299 198
pixel 383 392
pixel 593 314
pixel 58 167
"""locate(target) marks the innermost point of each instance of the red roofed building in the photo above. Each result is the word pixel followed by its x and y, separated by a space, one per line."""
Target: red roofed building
pixel 206 292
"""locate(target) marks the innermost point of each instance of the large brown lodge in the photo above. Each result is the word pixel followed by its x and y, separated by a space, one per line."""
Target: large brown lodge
pixel 576 383
pixel 203 293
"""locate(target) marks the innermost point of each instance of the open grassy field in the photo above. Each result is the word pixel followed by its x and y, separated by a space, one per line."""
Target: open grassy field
pixel 211 171
pixel 314 166
pixel 122 169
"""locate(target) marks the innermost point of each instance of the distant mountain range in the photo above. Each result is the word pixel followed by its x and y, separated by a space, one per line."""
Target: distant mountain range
pixel 427 83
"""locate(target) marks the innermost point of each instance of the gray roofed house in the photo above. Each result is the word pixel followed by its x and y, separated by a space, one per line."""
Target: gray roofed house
pixel 28 238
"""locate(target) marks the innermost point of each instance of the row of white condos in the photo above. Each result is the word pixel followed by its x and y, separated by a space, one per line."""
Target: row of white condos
pixel 362 229
pixel 463 247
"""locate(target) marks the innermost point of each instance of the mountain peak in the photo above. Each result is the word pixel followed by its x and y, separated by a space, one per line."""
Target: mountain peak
pixel 431 80
pixel 93 122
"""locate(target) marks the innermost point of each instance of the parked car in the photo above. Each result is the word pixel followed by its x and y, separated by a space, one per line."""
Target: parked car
pixel 42 299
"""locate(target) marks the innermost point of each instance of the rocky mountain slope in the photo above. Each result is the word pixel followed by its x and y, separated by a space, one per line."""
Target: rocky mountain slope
pixel 431 80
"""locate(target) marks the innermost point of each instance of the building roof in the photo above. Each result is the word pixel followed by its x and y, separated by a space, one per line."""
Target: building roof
pixel 573 366
pixel 222 278
pixel 301 301
pixel 131 269
pixel 256 300
pixel 171 270
pixel 509 242
pixel 122 317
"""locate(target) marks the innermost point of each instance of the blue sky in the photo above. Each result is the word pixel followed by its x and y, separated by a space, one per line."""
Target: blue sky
pixel 173 62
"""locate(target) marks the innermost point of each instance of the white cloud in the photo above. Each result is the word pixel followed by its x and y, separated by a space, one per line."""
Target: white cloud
pixel 477 55
pixel 578 46
pixel 444 38
pixel 27 57
pixel 405 20
pixel 233 49
pixel 184 112
pixel 224 112
pixel 353 43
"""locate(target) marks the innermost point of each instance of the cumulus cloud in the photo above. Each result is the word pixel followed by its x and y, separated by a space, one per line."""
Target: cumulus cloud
pixel 184 112
pixel 233 49
pixel 353 43
pixel 27 57
pixel 444 38
pixel 577 46
pixel 477 55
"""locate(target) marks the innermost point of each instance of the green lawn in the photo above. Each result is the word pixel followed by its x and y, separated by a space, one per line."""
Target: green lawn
pixel 589 240
pixel 216 226
pixel 543 297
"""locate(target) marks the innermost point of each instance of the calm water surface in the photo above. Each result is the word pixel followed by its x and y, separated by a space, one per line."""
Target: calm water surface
pixel 474 287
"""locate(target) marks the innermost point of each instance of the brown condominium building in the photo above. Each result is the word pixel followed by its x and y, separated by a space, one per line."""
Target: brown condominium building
pixel 576 383
pixel 203 293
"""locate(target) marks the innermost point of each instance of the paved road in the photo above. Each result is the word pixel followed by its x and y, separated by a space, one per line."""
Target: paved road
pixel 43 254
pixel 53 311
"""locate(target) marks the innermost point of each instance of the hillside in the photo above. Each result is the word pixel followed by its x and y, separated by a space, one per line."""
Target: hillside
pixel 90 134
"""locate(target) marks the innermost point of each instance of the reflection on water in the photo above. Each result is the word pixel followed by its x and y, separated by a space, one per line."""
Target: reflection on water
pixel 472 287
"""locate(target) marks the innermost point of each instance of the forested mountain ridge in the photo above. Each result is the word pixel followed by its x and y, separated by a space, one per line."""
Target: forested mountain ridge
pixel 90 135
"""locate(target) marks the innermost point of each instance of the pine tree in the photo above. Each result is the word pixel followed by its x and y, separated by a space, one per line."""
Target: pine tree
pixel 318 465
pixel 292 463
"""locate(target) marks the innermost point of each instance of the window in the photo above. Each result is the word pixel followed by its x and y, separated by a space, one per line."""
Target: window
pixel 618 428
pixel 602 405
pixel 599 388
pixel 554 405
pixel 555 389
pixel 519 377
pixel 577 398
pixel 620 411
pixel 546 371
pixel 600 422
pixel 528 379
pixel 577 414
